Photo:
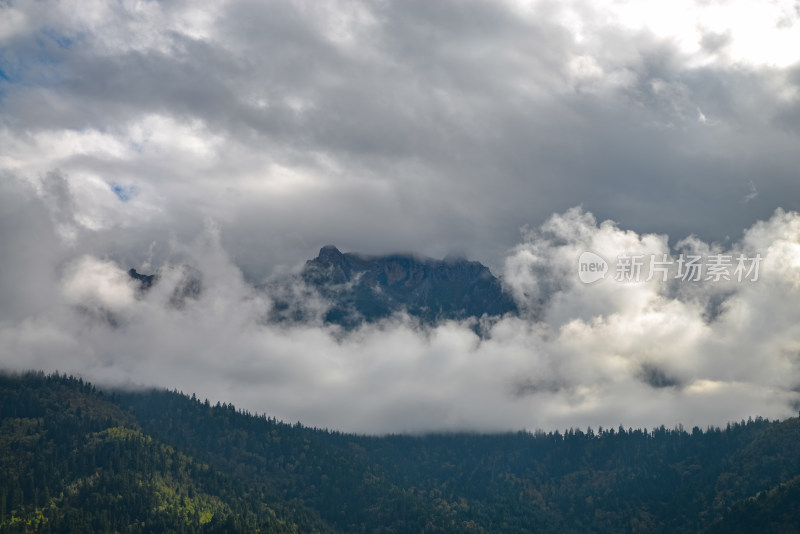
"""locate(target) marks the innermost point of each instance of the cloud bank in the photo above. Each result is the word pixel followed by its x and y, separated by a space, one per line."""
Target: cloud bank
pixel 396 125
pixel 607 353
pixel 222 145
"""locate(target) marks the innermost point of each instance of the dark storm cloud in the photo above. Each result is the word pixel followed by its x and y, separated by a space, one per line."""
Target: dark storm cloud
pixel 30 251
pixel 457 122
pixel 221 145
pixel 605 354
pixel 56 193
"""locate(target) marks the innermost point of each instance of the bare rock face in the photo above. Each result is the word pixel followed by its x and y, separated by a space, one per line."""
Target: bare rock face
pixel 189 287
pixel 368 288
pixel 145 280
pixel 350 289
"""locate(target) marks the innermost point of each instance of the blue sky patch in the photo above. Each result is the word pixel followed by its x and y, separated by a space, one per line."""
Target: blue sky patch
pixel 124 192
pixel 62 40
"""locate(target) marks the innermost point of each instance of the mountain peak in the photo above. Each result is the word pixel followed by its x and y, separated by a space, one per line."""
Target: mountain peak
pixel 368 288
pixel 145 280
pixel 329 254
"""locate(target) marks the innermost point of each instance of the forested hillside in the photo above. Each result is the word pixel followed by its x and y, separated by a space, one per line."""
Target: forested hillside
pixel 75 459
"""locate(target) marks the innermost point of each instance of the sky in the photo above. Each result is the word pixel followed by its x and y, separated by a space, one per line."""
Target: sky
pixel 228 142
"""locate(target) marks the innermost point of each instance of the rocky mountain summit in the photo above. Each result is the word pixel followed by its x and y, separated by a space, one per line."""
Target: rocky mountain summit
pixel 349 289
pixel 369 288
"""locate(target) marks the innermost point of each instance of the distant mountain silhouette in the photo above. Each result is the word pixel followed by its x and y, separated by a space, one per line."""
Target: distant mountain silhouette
pixel 74 459
pixel 188 288
pixel 145 280
pixel 357 288
pixel 369 288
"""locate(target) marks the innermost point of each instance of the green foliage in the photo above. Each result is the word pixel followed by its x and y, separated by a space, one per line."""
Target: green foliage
pixel 74 459
pixel 775 510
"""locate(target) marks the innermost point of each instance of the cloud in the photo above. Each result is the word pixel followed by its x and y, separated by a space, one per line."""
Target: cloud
pixel 607 353
pixel 31 250
pixel 401 126
pixel 221 146
pixel 752 195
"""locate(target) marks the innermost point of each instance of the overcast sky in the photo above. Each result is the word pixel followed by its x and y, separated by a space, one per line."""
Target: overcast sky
pixel 236 138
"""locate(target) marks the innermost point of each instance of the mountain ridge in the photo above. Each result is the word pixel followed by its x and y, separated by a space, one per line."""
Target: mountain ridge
pixel 360 288
pixel 372 287
pixel 77 459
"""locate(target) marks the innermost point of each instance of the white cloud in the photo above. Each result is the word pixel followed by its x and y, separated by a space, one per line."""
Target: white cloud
pixel 426 127
pixel 609 353
pixel 96 283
